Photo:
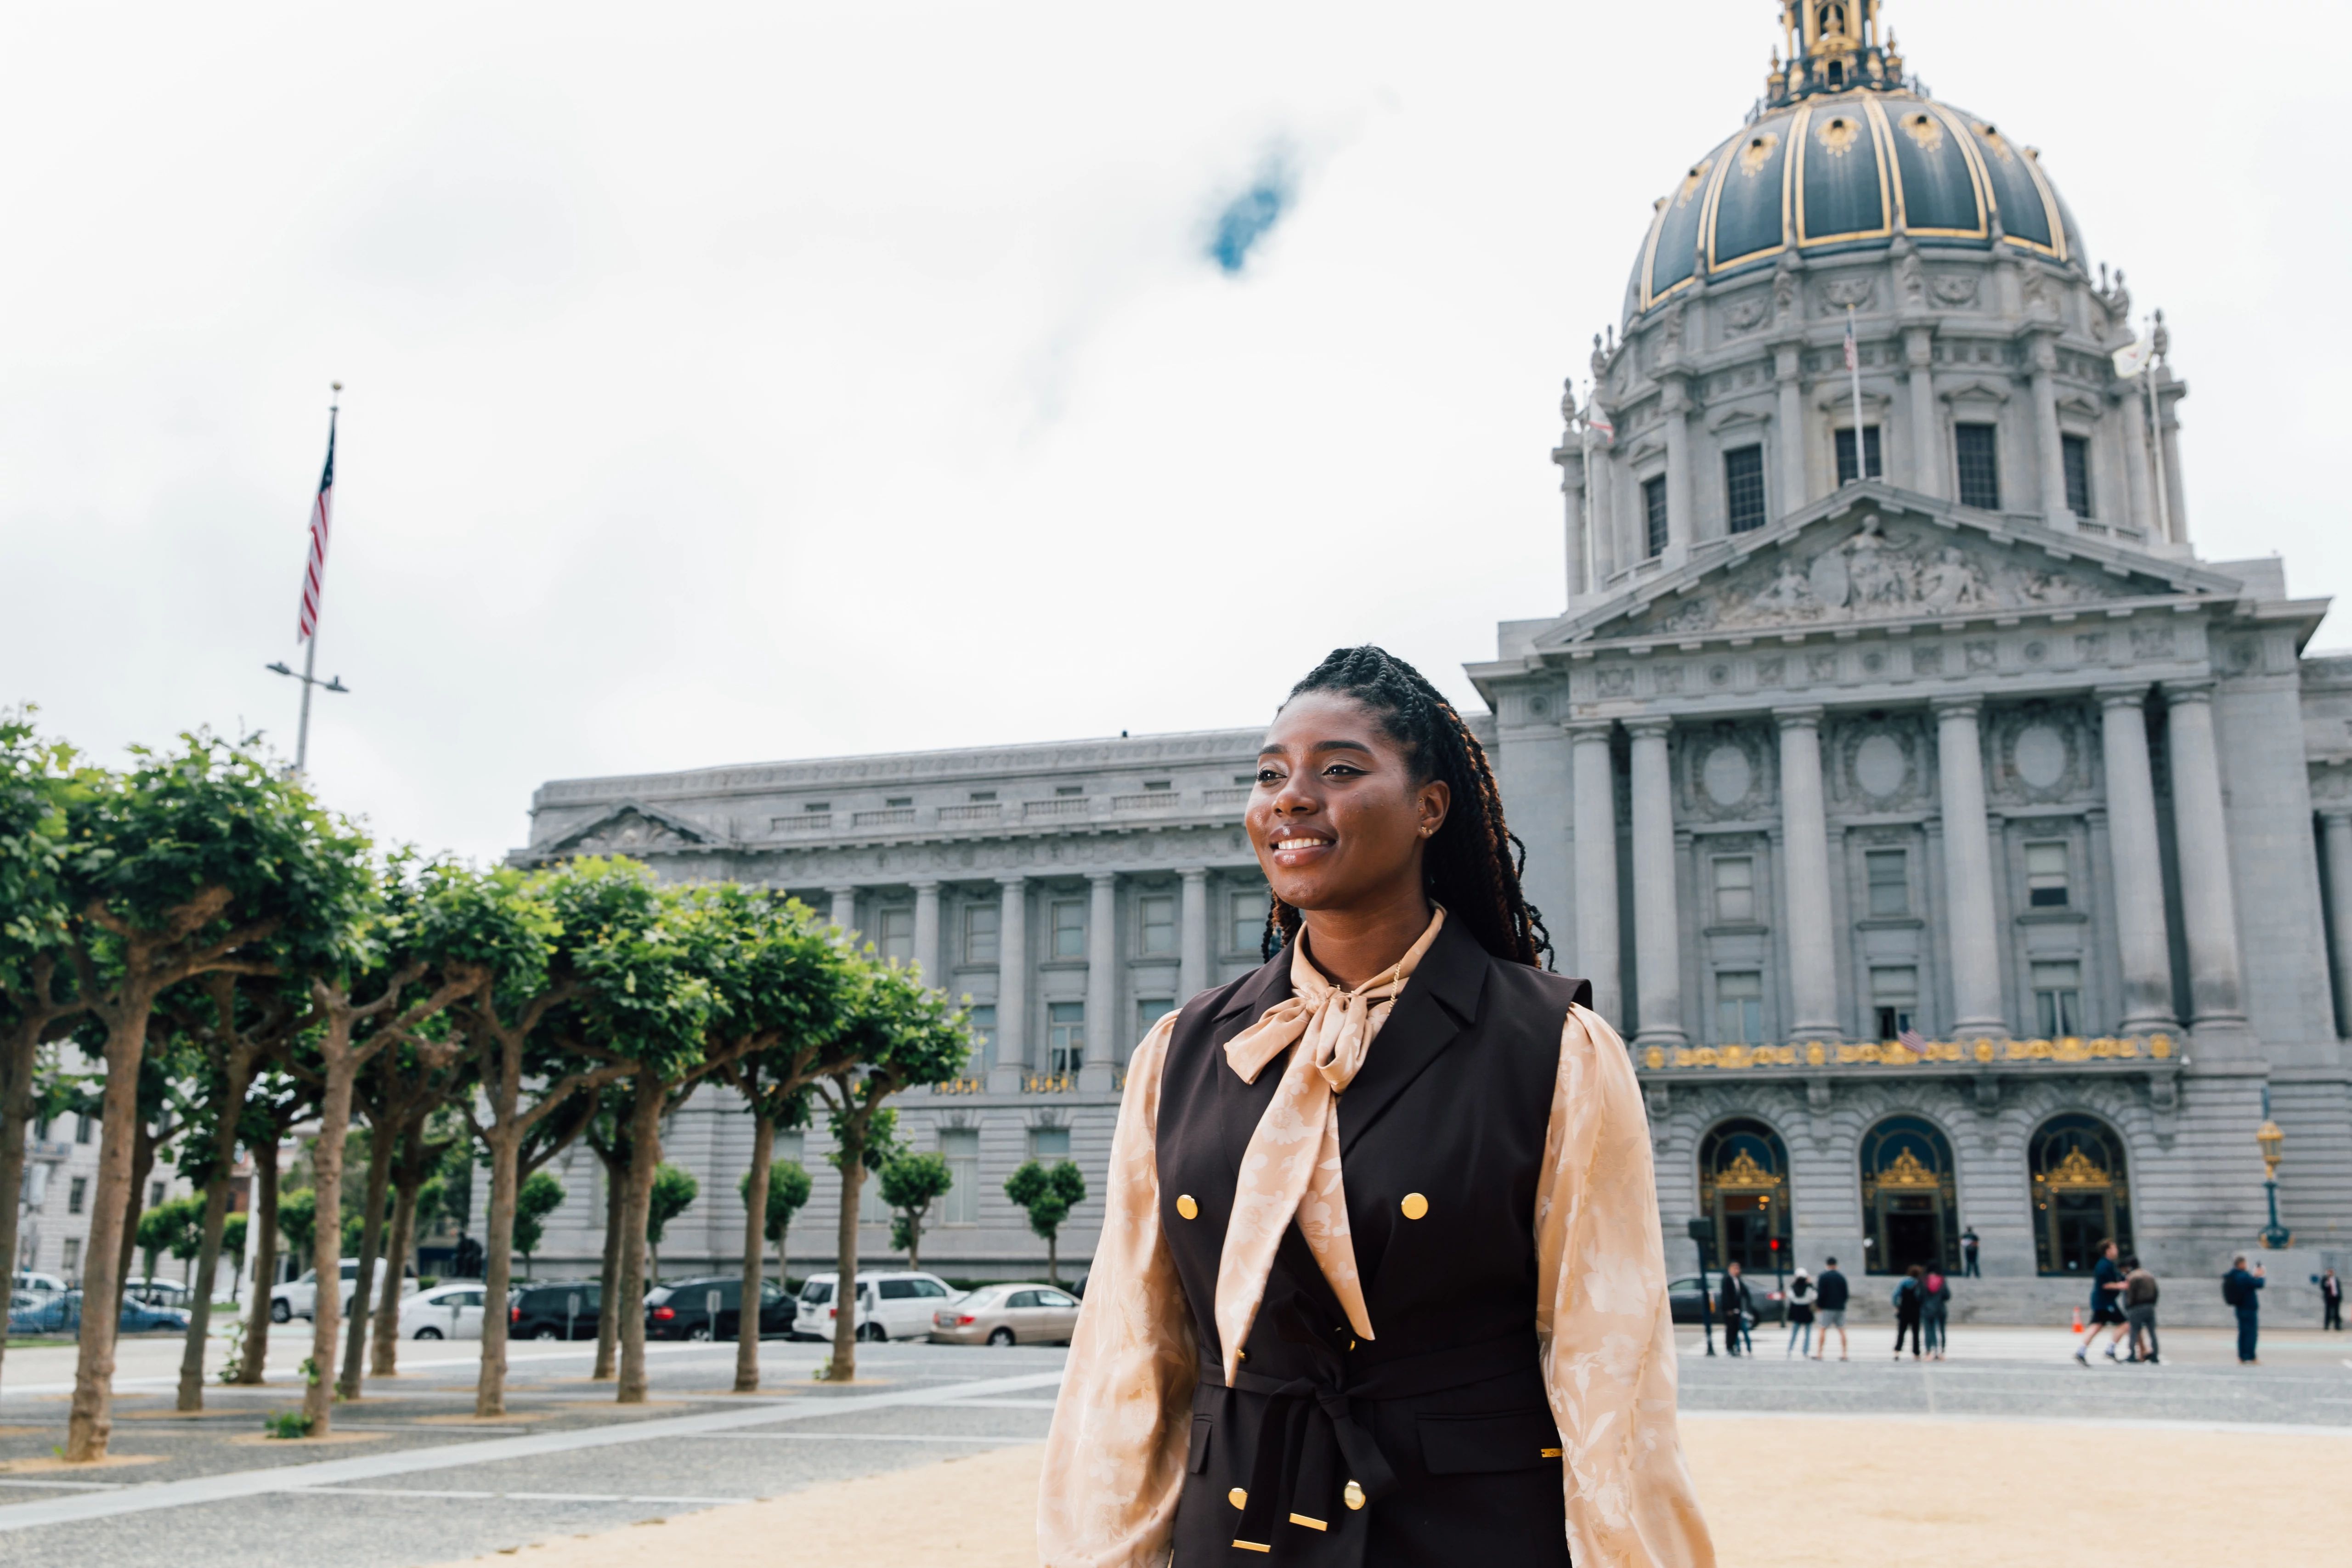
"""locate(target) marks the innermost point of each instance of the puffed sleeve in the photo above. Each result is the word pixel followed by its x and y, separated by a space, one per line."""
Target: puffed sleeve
pixel 1115 1458
pixel 1605 1320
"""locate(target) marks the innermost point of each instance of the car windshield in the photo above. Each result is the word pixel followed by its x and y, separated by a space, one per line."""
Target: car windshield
pixel 817 1292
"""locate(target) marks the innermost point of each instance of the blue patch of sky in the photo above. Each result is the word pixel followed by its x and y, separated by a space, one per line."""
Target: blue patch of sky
pixel 1250 216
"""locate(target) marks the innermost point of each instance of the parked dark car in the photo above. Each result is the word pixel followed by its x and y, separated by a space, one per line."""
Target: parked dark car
pixel 62 1315
pixel 681 1309
pixel 555 1311
pixel 1684 1295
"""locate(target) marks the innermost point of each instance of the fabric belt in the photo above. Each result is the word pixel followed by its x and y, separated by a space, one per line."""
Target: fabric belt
pixel 1309 1427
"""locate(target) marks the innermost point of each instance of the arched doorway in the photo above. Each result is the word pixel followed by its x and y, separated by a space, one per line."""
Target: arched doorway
pixel 1910 1200
pixel 2082 1197
pixel 1743 1185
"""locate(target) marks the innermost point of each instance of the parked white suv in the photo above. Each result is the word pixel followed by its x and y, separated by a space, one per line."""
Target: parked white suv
pixel 891 1305
pixel 299 1298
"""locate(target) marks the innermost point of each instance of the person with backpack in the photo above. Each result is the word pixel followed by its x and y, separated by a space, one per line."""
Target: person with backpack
pixel 2241 1287
pixel 2139 1310
pixel 2107 1304
pixel 1738 1309
pixel 1831 1288
pixel 1935 1311
pixel 2331 1300
pixel 1801 1313
pixel 1910 1298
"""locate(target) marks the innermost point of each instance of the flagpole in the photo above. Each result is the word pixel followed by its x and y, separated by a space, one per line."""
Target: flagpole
pixel 1853 363
pixel 310 676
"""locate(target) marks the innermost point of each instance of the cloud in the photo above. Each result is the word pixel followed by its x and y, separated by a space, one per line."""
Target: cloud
pixel 1249 216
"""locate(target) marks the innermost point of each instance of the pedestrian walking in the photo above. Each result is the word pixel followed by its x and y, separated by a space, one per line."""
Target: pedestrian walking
pixel 2139 1310
pixel 1738 1309
pixel 1968 1252
pixel 1935 1311
pixel 1801 1313
pixel 2107 1303
pixel 1830 1292
pixel 1910 1296
pixel 2331 1300
pixel 2241 1287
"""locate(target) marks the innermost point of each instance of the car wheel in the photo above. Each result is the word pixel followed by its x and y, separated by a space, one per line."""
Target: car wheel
pixel 873 1332
pixel 428 1333
pixel 700 1331
pixel 1000 1336
pixel 280 1312
pixel 547 1332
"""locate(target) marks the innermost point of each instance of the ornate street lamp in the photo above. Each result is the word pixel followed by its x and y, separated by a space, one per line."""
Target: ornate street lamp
pixel 2273 1142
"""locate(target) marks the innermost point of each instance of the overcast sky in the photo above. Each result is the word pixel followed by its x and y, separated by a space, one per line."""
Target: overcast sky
pixel 733 384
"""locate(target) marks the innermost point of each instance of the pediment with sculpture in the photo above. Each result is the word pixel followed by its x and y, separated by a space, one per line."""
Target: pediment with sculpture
pixel 631 830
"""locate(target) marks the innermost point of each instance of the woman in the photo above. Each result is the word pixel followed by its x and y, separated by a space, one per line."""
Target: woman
pixel 1910 1296
pixel 1801 1314
pixel 1379 1280
pixel 1935 1309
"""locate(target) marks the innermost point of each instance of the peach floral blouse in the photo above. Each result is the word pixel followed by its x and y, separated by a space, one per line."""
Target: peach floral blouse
pixel 1115 1458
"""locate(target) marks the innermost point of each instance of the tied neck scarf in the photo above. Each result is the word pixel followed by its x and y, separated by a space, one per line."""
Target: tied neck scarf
pixel 1291 1168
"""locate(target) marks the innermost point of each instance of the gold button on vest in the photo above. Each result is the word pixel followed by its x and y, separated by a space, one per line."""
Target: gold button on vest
pixel 1238 1498
pixel 1353 1496
pixel 1414 1206
pixel 1187 1207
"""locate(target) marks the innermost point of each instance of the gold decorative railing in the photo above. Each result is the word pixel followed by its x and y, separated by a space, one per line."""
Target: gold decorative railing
pixel 1895 1054
pixel 1050 1083
pixel 962 1086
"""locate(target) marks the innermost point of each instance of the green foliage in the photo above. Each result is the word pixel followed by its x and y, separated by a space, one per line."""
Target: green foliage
pixel 286 1424
pixel 880 1145
pixel 232 1235
pixel 233 1363
pixel 788 1190
pixel 534 1201
pixel 910 1184
pixel 1048 1194
pixel 298 1219
pixel 176 1228
pixel 39 780
pixel 673 1191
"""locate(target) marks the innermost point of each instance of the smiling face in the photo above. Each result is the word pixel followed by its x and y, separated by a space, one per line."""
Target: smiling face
pixel 1340 815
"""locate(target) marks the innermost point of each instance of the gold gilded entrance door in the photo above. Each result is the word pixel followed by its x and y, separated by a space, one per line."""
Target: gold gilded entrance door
pixel 1909 1197
pixel 2080 1199
pixel 1743 1185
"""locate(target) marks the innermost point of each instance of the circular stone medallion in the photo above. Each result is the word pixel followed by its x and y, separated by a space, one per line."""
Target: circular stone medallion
pixel 2040 755
pixel 1726 776
pixel 1878 766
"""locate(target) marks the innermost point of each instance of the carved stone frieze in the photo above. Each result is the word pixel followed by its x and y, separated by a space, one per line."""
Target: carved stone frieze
pixel 1882 764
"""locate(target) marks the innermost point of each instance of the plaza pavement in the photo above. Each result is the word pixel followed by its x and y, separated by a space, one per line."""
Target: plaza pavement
pixel 2009 1451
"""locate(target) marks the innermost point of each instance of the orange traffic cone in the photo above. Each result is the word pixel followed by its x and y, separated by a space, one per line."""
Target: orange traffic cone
pixel 2078 1322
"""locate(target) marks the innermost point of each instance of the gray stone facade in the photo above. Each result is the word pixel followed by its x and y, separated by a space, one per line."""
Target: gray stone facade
pixel 1937 731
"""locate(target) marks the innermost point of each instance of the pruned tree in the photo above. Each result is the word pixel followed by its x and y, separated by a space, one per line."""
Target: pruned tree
pixel 420 1155
pixel 673 1193
pixel 539 1196
pixel 911 1183
pixel 405 1083
pixel 276 1102
pixel 1048 1194
pixel 782 1194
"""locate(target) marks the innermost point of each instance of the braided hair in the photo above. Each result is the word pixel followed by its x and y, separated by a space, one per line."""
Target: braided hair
pixel 1474 861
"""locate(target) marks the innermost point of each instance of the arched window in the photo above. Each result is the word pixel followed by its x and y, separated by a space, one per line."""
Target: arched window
pixel 1743 1185
pixel 1910 1201
pixel 2082 1198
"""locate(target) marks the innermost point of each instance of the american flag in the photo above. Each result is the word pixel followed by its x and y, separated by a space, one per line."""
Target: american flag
pixel 1598 423
pixel 1850 356
pixel 314 571
pixel 1912 1040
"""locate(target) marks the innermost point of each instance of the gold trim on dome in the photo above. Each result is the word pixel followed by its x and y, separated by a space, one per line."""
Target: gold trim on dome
pixel 1921 127
pixel 1907 1172
pixel 2077 1171
pixel 1693 181
pixel 1837 136
pixel 1744 1174
pixel 1802 153
pixel 1758 151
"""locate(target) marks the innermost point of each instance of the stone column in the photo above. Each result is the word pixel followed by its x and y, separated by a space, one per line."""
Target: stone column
pixel 1013 1044
pixel 1594 780
pixel 1602 488
pixel 1968 873
pixel 2335 824
pixel 1680 519
pixel 1192 943
pixel 1927 428
pixel 2209 906
pixel 1804 868
pixel 2133 851
pixel 1786 366
pixel 2131 410
pixel 1657 929
pixel 2043 356
pixel 1106 1033
pixel 1571 456
pixel 844 909
pixel 2168 393
pixel 926 932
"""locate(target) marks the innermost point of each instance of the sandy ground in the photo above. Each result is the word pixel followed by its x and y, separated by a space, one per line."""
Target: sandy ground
pixel 1816 1491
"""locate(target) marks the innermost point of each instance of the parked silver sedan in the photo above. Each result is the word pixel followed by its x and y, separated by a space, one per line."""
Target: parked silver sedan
pixel 1024 1313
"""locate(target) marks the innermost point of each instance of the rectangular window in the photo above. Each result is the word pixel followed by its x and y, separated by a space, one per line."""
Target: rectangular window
pixel 871 1209
pixel 1048 1144
pixel 1846 475
pixel 980 926
pixel 816 805
pixel 155 1191
pixel 82 1125
pixel 1888 872
pixel 2045 876
pixel 983 1031
pixel 1895 998
pixel 1739 1007
pixel 41 1130
pixel 1149 1010
pixel 1065 790
pixel 1069 928
pixel 75 1193
pixel 897 935
pixel 1065 1030
pixel 1735 890
pixel 983 796
pixel 959 1147
pixel 71 1262
pixel 792 1146
pixel 1743 488
pixel 2058 999
pixel 2076 453
pixel 1977 454
pixel 1156 922
pixel 1245 921
pixel 1653 516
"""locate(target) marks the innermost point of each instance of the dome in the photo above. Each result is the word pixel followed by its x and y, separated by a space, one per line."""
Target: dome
pixel 1846 155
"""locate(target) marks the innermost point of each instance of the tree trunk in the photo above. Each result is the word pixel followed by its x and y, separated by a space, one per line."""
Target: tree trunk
pixel 784 1272
pixel 1054 1260
pixel 379 1181
pixel 644 1154
pixel 385 1354
pixel 844 1366
pixel 915 1240
pixel 239 1077
pixel 497 1266
pixel 608 1290
pixel 142 1165
pixel 261 1240
pixel 18 1053
pixel 755 1236
pixel 327 1233
pixel 91 1421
